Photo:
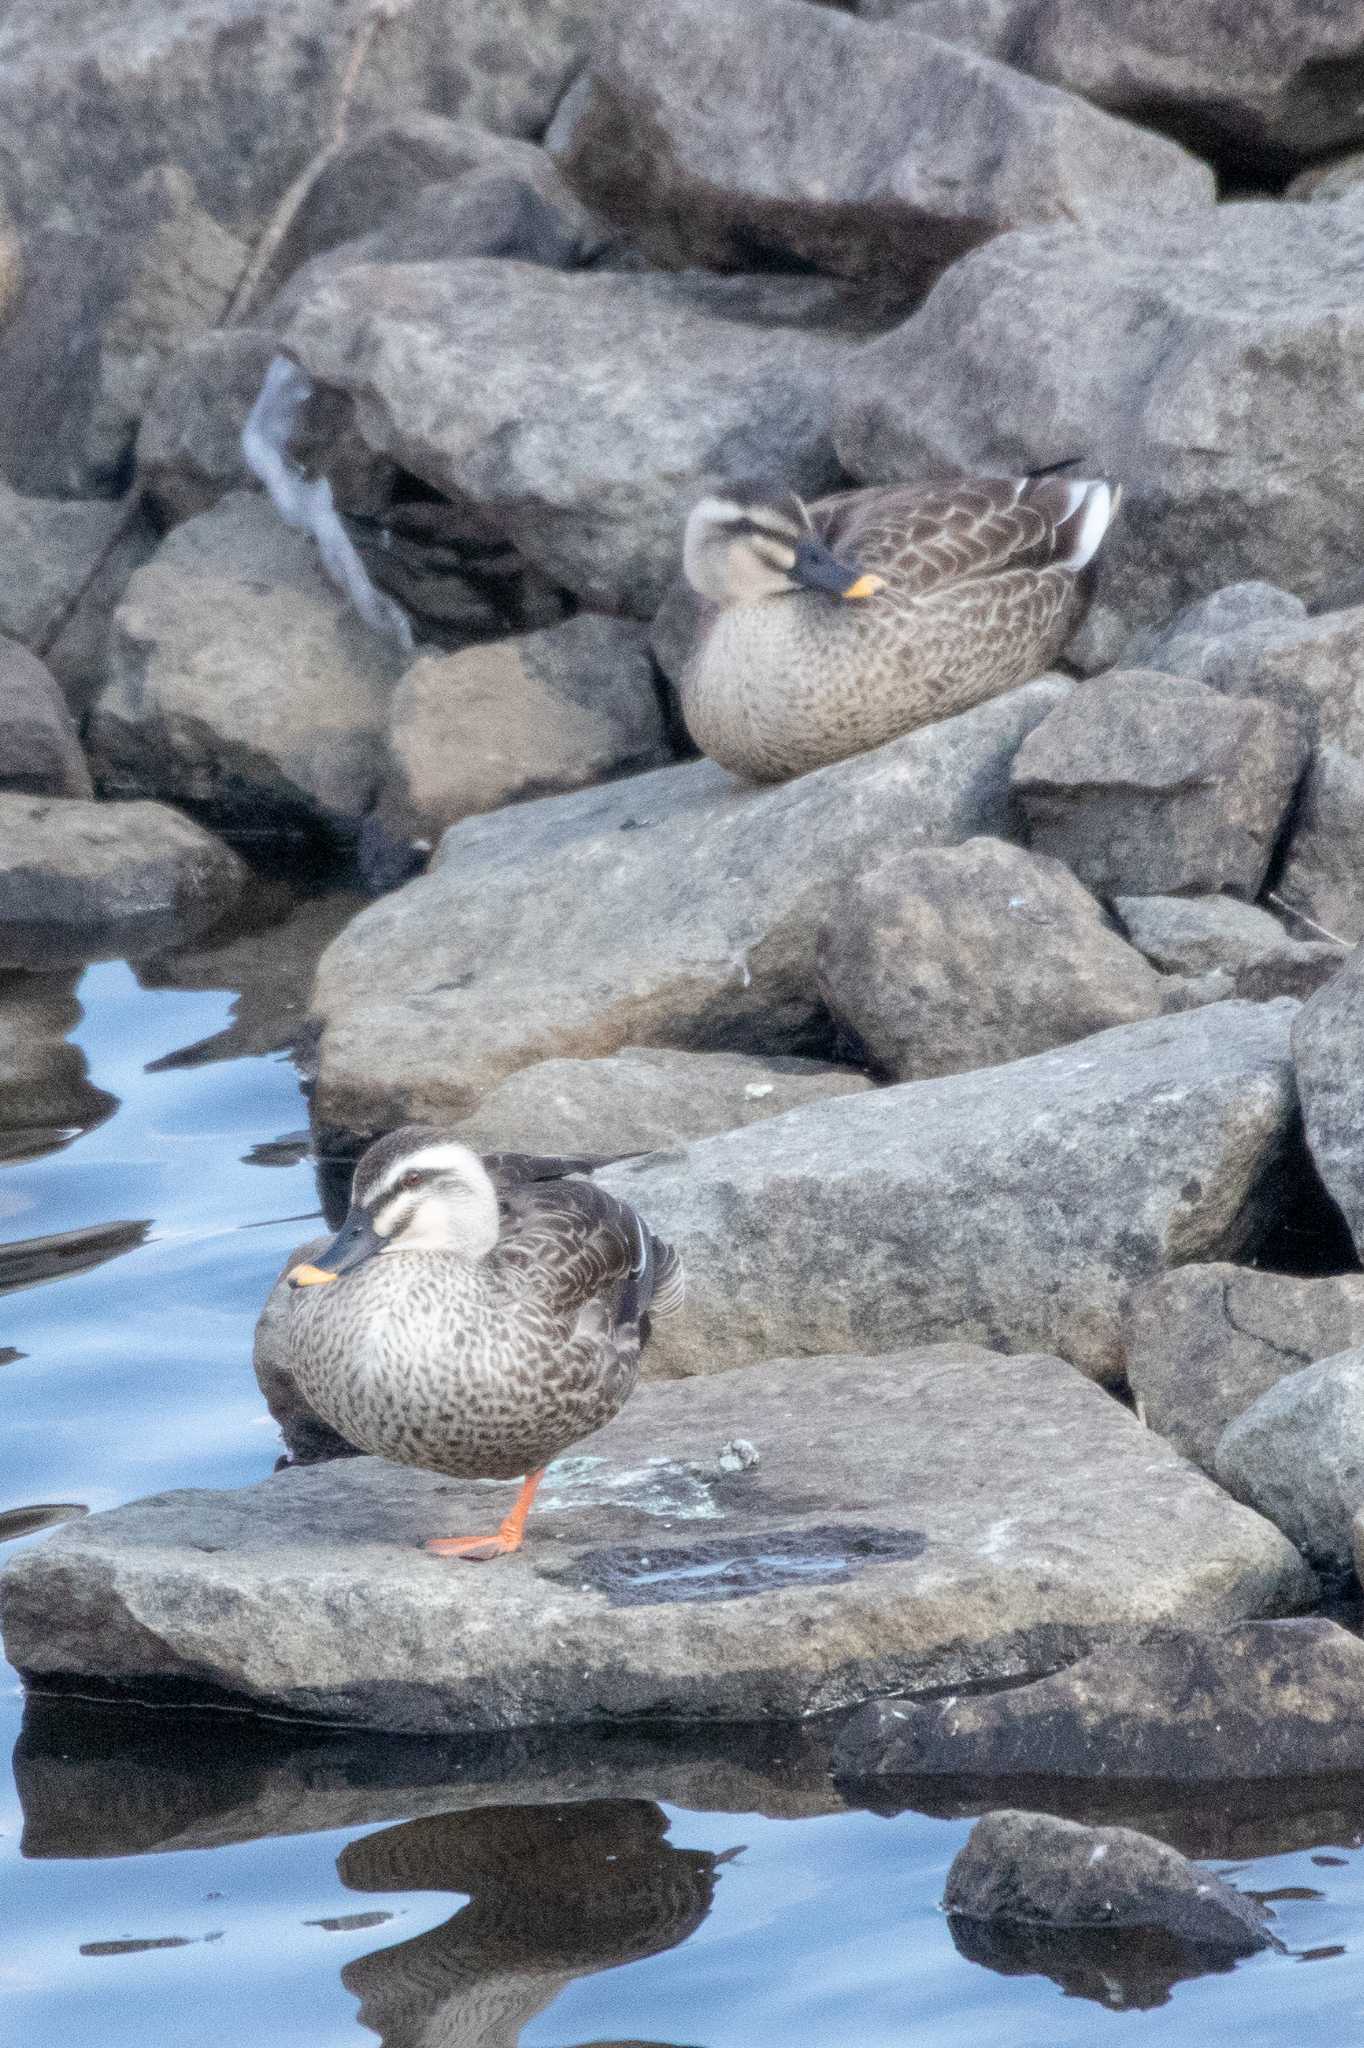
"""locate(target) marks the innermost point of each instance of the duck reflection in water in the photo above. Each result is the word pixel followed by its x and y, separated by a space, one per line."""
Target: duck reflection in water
pixel 557 1892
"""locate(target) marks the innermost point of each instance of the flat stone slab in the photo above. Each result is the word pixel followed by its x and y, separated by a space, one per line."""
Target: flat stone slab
pixel 927 1518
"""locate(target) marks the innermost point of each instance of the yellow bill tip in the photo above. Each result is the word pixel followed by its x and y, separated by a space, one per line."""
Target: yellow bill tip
pixel 308 1276
pixel 865 586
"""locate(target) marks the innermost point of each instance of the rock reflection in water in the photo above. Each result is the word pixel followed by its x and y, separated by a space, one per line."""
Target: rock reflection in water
pixel 46 1096
pixel 28 1260
pixel 1127 1969
pixel 557 1892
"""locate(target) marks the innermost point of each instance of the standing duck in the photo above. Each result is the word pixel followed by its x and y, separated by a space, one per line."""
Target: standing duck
pixel 833 627
pixel 473 1325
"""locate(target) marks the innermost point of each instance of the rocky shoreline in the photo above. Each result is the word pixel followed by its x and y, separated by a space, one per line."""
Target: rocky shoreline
pixel 1000 1087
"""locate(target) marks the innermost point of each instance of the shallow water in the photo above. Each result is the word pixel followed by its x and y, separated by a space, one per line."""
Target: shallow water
pixel 173 1877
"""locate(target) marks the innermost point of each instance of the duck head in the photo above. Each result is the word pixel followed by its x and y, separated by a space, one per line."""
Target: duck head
pixel 416 1190
pixel 750 545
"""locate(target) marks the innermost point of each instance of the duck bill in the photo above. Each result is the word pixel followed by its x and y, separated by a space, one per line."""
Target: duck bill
pixel 356 1241
pixel 818 568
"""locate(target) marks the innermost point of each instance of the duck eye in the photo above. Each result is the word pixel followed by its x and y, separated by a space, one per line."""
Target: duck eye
pixel 412 1179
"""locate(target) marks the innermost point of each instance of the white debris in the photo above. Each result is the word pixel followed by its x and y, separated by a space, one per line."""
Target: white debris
pixel 306 503
pixel 738 1455
pixel 755 1090
pixel 1097 1854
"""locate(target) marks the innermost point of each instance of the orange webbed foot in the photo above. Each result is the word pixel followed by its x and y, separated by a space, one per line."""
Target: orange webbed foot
pixel 479 1549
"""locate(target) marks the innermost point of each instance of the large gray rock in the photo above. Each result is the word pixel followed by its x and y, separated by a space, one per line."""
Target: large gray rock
pixel 1197 634
pixel 940 959
pixel 849 1559
pixel 94 98
pixel 544 711
pixel 1280 77
pixel 1297 1455
pixel 1328 1056
pixel 1146 784
pixel 78 877
pixel 49 549
pixel 240 682
pixel 1263 1699
pixel 1340 177
pixel 1191 358
pixel 189 443
pixel 1016 1206
pixel 1211 934
pixel 1322 878
pixel 39 751
pixel 1206 1341
pixel 679 908
pixel 1035 1868
pixel 921 152
pixel 645 1099
pixel 580 414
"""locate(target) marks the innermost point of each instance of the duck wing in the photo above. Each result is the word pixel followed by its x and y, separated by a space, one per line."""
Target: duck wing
pixel 573 1243
pixel 922 537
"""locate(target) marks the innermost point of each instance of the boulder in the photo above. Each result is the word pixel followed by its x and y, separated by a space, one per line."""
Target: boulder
pixel 680 908
pixel 845 1562
pixel 1279 80
pixel 1327 1037
pixel 49 550
pixel 645 1099
pixel 373 179
pixel 1145 784
pixel 45 1091
pixel 39 751
pixel 1322 878
pixel 1205 934
pixel 580 414
pixel 1340 177
pixel 1205 1341
pixel 240 682
pixel 551 710
pixel 1197 359
pixel 1016 1206
pixel 77 878
pixel 1047 1872
pixel 100 106
pixel 1184 645
pixel 941 959
pixel 1297 1455
pixel 1258 1700
pixel 189 444
pixel 922 151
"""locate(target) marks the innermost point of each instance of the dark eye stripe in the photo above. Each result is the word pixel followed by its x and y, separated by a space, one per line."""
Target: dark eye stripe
pixel 784 535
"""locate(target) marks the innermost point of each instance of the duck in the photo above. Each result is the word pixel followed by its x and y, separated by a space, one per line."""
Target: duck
pixel 829 628
pixel 473 1320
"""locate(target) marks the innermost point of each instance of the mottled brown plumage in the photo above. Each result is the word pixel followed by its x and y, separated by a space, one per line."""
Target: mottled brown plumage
pixel 835 627
pixel 475 1323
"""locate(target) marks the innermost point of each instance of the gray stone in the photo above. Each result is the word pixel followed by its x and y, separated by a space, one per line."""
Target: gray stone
pixel 1190 358
pixel 1146 784
pixel 645 1099
pixel 921 152
pixel 189 444
pixel 1327 1039
pixel 940 959
pixel 39 751
pixel 1322 877
pixel 679 908
pixel 1183 645
pixel 45 1092
pixel 545 711
pixel 1054 1873
pixel 49 549
pixel 1297 1455
pixel 848 1561
pixel 1342 177
pixel 1261 1699
pixel 374 177
pixel 1017 1206
pixel 93 97
pixel 1279 78
pixel 239 681
pixel 579 414
pixel 77 877
pixel 1202 934
pixel 1205 1341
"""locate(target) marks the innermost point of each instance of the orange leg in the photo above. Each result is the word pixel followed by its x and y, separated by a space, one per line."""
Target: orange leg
pixel 507 1538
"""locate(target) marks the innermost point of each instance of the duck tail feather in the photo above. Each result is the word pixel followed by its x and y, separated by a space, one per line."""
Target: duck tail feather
pixel 1085 522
